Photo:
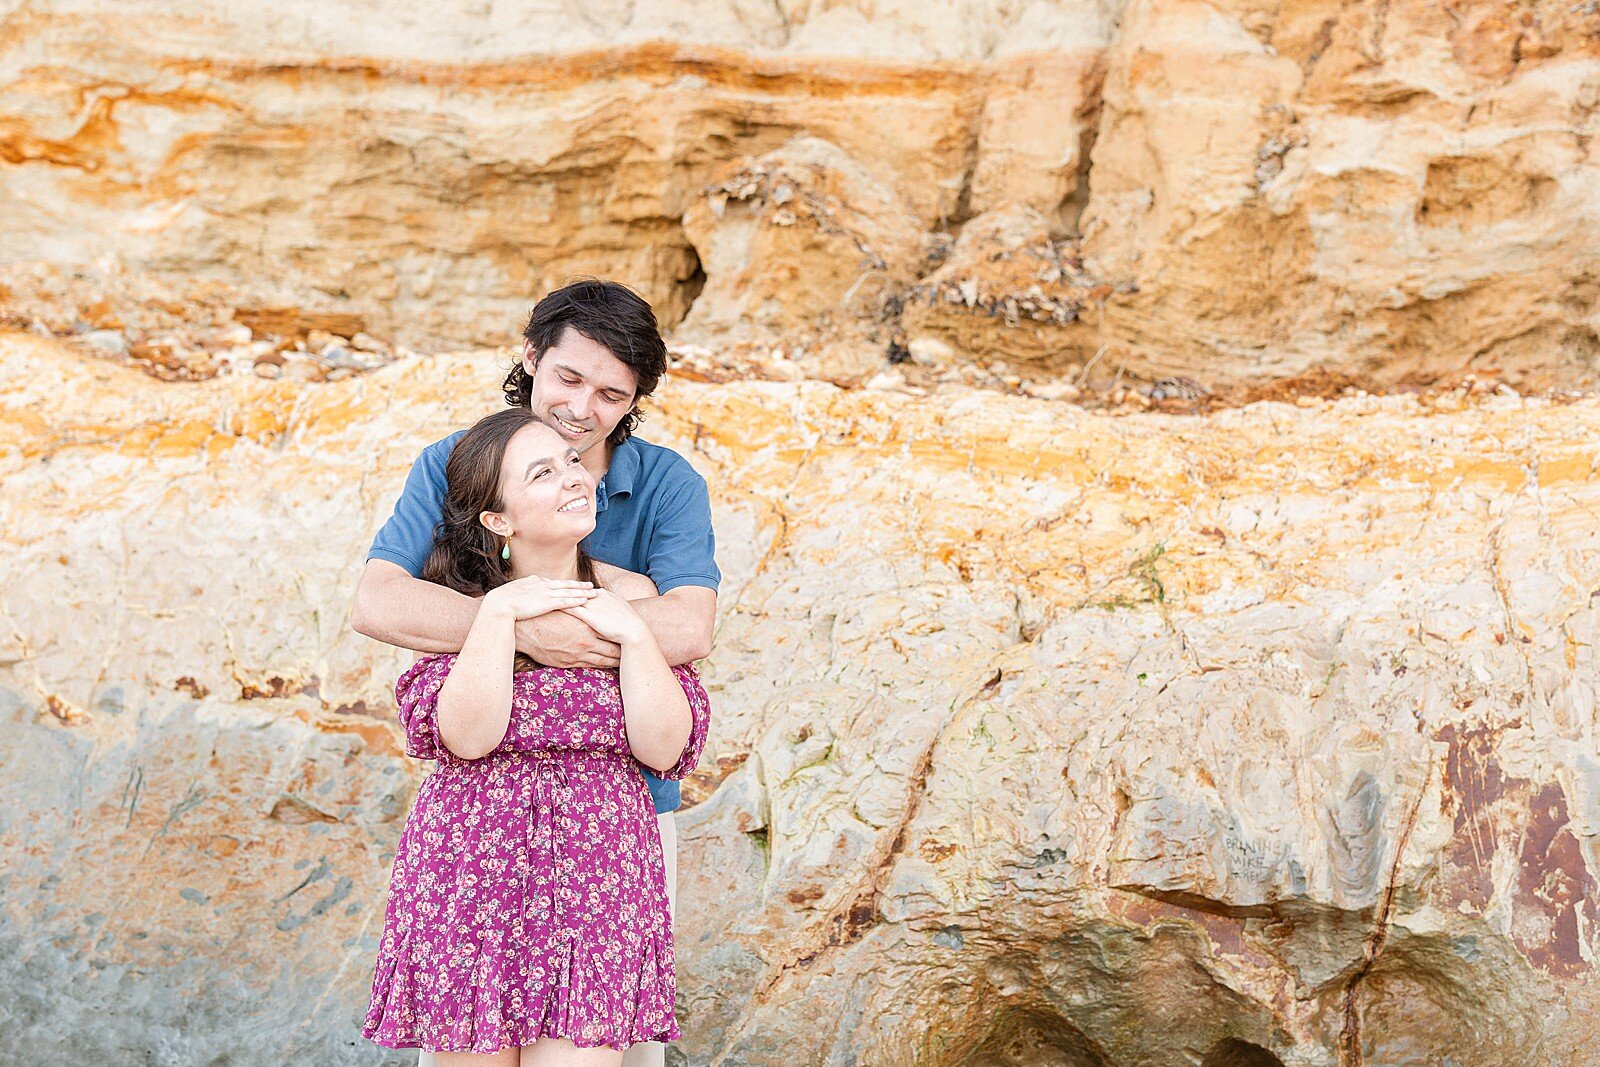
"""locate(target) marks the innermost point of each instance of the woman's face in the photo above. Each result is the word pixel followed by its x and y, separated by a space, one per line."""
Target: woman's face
pixel 546 495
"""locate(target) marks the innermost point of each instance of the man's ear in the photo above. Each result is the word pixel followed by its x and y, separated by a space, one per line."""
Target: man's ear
pixel 530 359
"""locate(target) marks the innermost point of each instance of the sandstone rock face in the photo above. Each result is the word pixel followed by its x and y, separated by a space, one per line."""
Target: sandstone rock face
pixel 1041 736
pixel 1197 736
pixel 805 249
pixel 1391 190
pixel 1006 273
pixel 454 161
pixel 1245 192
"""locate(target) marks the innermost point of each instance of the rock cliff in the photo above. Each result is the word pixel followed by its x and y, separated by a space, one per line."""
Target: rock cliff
pixel 1391 193
pixel 1042 736
pixel 1231 715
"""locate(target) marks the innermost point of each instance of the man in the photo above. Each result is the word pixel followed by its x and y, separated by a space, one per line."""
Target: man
pixel 590 352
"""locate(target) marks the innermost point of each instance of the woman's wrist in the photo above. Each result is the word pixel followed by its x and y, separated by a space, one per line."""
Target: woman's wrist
pixel 638 638
pixel 493 608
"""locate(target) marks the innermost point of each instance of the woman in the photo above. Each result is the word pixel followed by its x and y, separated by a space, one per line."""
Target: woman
pixel 528 920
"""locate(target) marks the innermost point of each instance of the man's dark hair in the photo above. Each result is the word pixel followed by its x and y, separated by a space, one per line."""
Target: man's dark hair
pixel 609 314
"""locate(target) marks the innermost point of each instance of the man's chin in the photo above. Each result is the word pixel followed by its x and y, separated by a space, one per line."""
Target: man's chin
pixel 581 441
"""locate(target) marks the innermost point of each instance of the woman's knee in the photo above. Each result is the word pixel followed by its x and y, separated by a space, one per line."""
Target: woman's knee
pixel 506 1057
pixel 559 1052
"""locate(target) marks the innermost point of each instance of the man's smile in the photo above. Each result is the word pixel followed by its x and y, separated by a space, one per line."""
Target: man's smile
pixel 570 428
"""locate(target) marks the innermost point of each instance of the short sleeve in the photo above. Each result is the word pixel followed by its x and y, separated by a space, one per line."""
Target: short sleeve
pixel 407 538
pixel 700 723
pixel 683 546
pixel 417 692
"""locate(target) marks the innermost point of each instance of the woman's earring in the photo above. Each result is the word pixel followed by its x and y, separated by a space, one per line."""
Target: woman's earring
pixel 505 553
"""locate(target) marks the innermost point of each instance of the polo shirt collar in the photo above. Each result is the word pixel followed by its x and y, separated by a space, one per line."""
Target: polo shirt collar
pixel 620 476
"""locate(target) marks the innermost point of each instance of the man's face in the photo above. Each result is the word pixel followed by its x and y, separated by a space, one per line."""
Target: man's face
pixel 580 389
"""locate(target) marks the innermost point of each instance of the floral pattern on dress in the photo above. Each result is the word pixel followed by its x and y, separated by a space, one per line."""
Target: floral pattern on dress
pixel 528 897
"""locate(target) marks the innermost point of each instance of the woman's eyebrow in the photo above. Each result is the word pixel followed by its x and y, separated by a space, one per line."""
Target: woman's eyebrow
pixel 533 464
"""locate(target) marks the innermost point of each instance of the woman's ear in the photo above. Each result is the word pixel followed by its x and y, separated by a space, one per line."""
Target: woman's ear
pixel 495 523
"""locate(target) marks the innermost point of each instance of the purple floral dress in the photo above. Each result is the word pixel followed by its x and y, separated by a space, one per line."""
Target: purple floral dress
pixel 529 895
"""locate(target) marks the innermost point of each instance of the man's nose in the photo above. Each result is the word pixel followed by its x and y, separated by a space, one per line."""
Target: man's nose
pixel 580 405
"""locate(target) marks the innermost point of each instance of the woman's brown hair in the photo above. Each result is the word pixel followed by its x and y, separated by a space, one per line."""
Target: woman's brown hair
pixel 466 554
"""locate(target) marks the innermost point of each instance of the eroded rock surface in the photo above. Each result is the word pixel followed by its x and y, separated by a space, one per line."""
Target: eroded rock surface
pixel 1196 735
pixel 1042 736
pixel 1397 193
pixel 1394 189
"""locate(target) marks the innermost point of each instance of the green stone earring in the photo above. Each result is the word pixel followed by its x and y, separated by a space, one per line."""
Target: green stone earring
pixel 505 553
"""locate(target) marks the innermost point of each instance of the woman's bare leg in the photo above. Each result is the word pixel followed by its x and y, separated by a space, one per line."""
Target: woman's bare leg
pixel 559 1052
pixel 504 1058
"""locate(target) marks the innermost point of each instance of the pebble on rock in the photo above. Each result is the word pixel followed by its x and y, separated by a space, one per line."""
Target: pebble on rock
pixel 236 334
pixel 1054 391
pixel 107 342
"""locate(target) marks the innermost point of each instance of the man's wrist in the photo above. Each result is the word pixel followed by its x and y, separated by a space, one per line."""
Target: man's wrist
pixel 528 638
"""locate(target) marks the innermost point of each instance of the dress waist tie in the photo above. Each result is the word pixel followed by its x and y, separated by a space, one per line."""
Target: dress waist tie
pixel 547 832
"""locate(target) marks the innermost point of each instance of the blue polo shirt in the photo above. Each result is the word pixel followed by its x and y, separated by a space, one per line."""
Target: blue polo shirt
pixel 652 516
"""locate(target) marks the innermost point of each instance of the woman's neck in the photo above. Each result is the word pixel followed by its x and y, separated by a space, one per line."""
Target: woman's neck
pixel 552 561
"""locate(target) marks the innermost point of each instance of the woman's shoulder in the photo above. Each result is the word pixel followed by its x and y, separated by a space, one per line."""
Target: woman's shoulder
pixel 629 585
pixel 426 667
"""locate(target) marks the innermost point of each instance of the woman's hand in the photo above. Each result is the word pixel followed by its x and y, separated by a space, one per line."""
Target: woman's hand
pixel 530 597
pixel 612 617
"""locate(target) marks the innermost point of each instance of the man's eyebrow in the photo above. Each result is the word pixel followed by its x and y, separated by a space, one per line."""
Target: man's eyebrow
pixel 574 372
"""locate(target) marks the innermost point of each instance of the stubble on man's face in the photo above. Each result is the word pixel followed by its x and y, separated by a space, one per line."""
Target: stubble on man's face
pixel 580 390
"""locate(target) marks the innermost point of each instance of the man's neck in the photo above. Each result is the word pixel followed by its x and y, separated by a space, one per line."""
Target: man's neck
pixel 597 460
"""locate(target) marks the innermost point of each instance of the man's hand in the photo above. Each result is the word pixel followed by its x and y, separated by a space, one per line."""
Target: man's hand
pixel 561 640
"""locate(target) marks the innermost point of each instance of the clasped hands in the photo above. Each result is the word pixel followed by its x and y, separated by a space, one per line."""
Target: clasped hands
pixel 569 624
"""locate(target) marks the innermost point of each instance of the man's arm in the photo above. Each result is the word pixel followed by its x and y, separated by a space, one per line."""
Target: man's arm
pixel 682 620
pixel 393 607
pixel 397 609
pixel 682 564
